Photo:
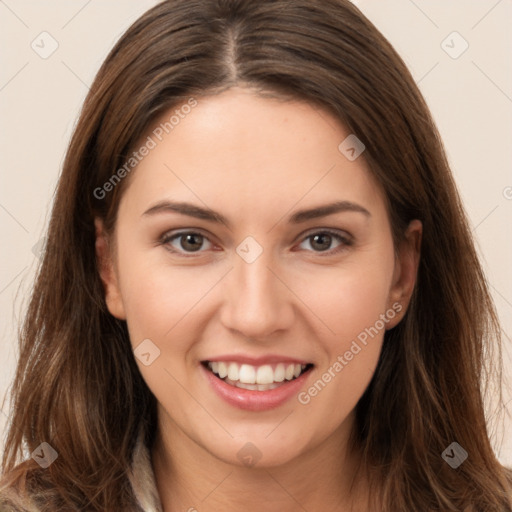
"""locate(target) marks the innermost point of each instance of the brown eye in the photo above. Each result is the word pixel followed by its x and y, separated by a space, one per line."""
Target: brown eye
pixel 186 242
pixel 326 241
pixel 321 242
pixel 191 242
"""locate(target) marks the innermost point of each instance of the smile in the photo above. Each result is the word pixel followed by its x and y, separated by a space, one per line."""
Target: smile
pixel 256 378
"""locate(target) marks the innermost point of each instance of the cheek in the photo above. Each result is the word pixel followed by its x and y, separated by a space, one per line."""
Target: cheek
pixel 352 303
pixel 156 295
pixel 166 306
pixel 158 299
pixel 350 297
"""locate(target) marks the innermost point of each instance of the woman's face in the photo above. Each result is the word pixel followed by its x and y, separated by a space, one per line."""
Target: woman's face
pixel 248 239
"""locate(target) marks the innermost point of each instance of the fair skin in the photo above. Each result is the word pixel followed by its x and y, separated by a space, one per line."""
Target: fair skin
pixel 256 162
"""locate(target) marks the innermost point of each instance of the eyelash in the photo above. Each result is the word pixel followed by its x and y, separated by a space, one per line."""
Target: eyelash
pixel 345 241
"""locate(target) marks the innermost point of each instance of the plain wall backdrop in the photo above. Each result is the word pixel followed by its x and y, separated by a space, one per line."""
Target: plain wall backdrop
pixel 458 52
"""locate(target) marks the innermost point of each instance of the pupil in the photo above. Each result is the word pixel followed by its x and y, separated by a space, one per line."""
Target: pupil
pixel 191 242
pixel 324 241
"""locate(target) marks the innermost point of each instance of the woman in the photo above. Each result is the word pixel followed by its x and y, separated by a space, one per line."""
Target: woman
pixel 259 291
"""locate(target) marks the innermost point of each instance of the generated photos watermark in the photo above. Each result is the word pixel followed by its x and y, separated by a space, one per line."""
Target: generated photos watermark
pixel 146 352
pixel 454 455
pixel 357 345
pixel 45 455
pixel 151 143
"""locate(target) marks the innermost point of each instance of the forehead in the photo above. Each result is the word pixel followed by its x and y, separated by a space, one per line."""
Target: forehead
pixel 246 153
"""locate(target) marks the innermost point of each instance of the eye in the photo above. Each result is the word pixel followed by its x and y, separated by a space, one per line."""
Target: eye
pixel 187 242
pixel 325 241
pixel 322 241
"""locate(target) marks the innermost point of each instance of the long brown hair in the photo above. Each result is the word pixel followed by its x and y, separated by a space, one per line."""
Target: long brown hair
pixel 77 385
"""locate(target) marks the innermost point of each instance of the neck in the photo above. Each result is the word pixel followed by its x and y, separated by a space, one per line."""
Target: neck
pixel 191 479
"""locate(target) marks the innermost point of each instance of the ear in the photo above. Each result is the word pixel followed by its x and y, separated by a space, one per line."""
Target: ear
pixel 405 272
pixel 106 269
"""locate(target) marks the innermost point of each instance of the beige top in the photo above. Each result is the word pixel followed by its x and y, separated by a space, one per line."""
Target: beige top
pixel 142 479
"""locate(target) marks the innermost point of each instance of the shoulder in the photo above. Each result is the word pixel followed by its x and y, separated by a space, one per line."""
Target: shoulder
pixel 24 489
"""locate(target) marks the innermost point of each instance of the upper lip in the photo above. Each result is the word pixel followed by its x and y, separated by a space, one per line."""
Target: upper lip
pixel 257 361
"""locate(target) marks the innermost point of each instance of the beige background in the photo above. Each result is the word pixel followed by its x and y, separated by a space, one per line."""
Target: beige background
pixel 470 97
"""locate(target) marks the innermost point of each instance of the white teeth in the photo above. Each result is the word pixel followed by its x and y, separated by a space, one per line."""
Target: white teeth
pixel 279 373
pixel 265 375
pixel 251 377
pixel 255 387
pixel 233 373
pixel 223 370
pixel 247 374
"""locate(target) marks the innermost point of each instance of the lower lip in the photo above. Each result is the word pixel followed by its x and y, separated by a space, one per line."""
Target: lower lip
pixel 251 400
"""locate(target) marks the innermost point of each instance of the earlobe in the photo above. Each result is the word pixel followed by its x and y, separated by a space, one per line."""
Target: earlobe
pixel 406 269
pixel 105 265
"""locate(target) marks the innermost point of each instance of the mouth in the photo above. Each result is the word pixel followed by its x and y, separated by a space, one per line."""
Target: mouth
pixel 256 378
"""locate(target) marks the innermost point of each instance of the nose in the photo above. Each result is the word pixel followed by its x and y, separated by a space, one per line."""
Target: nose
pixel 256 303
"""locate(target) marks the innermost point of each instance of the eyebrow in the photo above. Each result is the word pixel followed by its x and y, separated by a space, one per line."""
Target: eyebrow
pixel 298 217
pixel 328 209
